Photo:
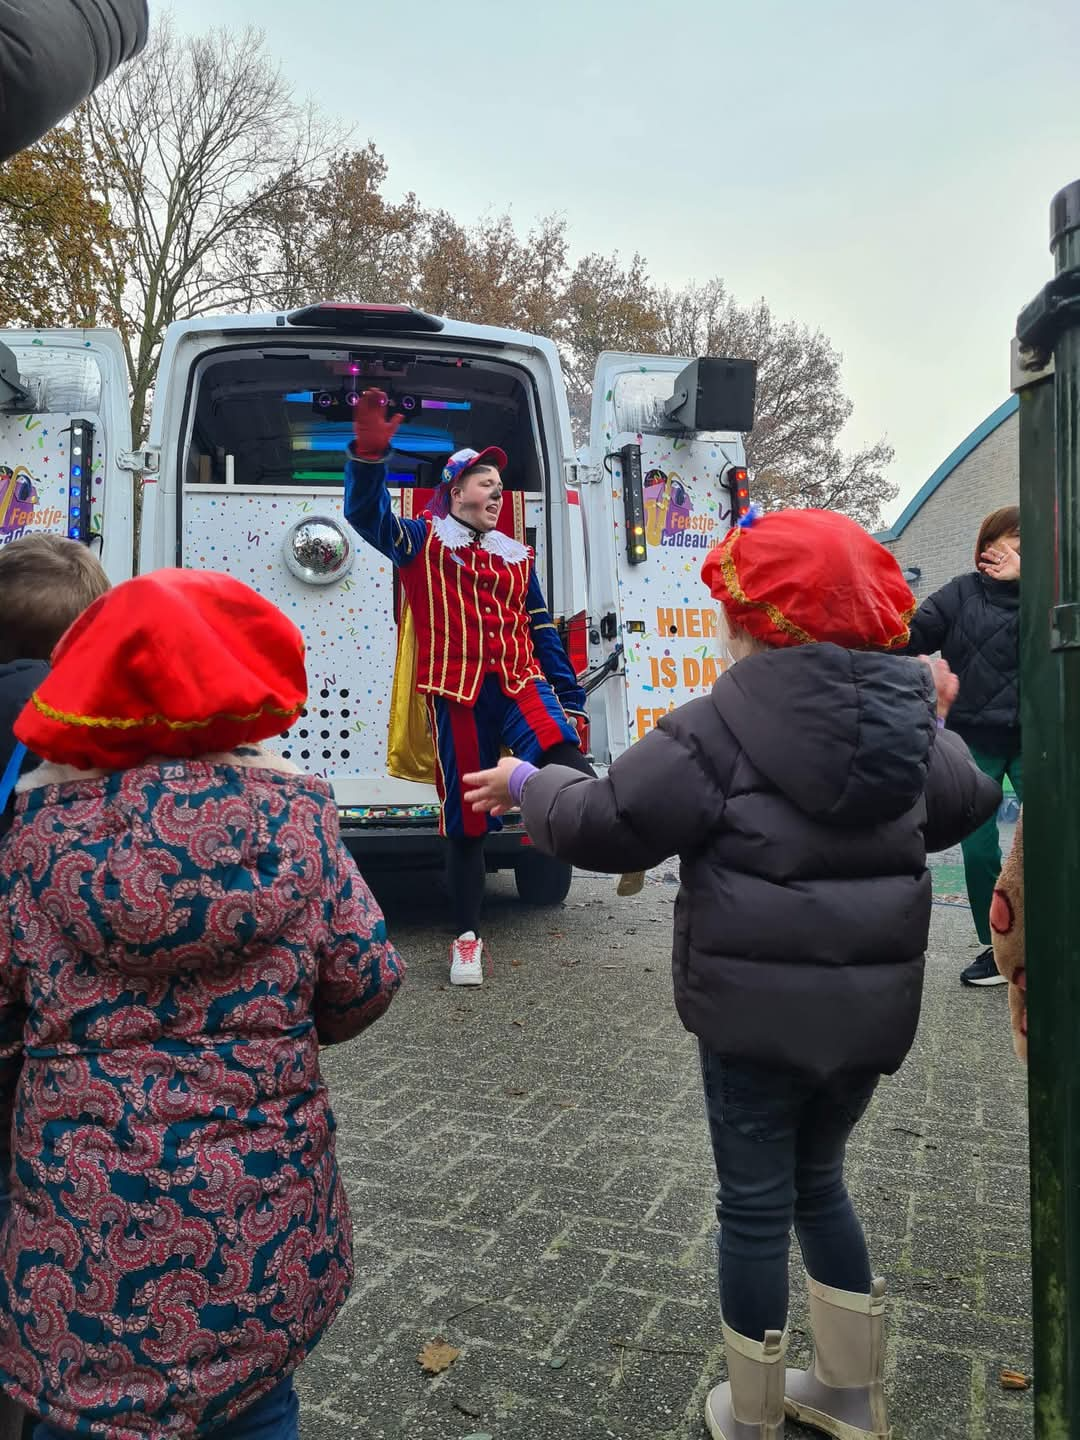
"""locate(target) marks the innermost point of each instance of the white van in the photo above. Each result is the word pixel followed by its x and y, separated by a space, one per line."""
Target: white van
pixel 243 473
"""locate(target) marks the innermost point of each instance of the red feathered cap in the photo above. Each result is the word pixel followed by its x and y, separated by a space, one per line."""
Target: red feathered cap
pixel 796 577
pixel 178 662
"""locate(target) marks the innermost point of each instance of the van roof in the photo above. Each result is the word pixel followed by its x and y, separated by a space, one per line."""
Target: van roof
pixel 277 321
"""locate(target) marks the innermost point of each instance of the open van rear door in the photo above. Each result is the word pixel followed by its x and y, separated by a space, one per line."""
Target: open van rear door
pixel 65 428
pixel 661 496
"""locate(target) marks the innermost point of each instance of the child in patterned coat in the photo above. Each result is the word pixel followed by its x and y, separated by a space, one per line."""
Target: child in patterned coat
pixel 181 930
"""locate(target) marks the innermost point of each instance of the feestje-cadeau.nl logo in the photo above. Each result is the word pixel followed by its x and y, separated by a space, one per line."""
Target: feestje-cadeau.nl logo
pixel 669 513
pixel 18 497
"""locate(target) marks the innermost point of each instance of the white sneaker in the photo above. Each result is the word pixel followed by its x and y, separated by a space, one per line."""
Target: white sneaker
pixel 467 960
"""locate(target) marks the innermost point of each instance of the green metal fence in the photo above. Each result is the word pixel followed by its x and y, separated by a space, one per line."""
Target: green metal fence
pixel 1047 376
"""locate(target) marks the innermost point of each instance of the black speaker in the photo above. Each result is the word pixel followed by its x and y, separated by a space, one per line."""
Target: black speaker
pixel 715 394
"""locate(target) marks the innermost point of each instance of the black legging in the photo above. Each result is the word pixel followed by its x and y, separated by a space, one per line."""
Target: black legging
pixel 465 866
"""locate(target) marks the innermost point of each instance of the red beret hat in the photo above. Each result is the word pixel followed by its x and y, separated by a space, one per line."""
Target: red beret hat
pixel 796 577
pixel 177 662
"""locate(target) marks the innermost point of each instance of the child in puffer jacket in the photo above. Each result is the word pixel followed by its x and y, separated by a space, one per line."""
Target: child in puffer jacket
pixel 801 796
pixel 181 930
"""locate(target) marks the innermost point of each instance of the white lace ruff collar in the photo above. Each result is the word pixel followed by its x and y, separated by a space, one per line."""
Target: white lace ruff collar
pixel 455 536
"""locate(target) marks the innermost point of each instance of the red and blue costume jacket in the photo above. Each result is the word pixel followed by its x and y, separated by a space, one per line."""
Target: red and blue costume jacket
pixel 477 605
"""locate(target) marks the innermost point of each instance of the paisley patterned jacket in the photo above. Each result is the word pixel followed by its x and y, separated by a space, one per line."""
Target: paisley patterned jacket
pixel 176 941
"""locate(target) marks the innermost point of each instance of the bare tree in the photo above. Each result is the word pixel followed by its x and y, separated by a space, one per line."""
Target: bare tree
pixel 336 238
pixel 793 452
pixel 487 273
pixel 608 306
pixel 191 144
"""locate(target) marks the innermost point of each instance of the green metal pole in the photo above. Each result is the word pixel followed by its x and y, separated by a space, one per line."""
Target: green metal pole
pixel 1050 690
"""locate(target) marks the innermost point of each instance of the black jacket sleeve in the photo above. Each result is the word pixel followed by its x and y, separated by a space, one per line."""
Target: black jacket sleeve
pixel 656 800
pixel 959 797
pixel 934 619
pixel 53 53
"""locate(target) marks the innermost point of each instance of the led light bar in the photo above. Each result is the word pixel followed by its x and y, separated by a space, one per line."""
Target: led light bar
pixel 80 466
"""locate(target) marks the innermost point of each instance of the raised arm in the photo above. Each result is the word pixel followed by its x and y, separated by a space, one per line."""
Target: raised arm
pixel 367 505
pixel 368 511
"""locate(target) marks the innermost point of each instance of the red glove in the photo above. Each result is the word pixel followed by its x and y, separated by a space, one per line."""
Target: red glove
pixel 582 724
pixel 374 433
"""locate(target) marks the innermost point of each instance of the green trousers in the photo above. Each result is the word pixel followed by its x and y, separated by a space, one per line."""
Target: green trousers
pixel 982 848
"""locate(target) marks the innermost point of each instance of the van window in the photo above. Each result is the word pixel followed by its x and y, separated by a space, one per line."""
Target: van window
pixel 638 399
pixel 62 381
pixel 273 417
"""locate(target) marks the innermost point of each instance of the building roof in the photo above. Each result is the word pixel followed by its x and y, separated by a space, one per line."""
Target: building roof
pixel 945 469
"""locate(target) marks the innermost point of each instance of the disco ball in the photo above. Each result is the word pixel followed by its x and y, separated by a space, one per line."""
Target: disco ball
pixel 318 550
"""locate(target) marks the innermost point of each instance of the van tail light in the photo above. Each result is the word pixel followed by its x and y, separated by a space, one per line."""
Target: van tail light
pixel 575 636
pixel 358 318
pixel 739 489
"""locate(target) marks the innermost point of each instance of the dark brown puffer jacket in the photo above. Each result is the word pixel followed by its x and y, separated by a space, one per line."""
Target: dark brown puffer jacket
pixel 802 796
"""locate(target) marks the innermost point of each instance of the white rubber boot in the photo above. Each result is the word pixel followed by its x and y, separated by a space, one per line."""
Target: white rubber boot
pixel 750 1404
pixel 843 1392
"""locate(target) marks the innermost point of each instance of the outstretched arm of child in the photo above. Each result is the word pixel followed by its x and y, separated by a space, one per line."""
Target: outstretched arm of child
pixel 656 800
pixel 359 970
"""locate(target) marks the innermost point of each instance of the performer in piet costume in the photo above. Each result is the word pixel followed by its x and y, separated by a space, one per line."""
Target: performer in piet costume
pixel 477 641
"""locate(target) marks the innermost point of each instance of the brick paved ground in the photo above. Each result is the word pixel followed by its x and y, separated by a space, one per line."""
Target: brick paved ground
pixel 529 1176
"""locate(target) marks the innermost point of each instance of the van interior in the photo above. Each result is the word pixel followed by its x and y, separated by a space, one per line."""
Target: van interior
pixel 280 417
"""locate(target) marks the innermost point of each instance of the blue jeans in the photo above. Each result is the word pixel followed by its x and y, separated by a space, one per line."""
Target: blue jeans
pixel 779 1141
pixel 274 1417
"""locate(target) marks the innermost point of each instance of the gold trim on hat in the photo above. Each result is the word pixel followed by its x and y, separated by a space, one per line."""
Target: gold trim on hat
pixel 124 722
pixel 778 618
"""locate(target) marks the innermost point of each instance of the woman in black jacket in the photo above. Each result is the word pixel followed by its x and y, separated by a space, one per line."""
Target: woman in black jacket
pixel 974 621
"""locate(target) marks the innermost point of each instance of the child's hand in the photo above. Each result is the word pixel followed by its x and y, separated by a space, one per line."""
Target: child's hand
pixel 945 683
pixel 490 789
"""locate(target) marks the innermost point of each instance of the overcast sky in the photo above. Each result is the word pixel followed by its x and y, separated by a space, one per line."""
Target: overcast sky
pixel 882 172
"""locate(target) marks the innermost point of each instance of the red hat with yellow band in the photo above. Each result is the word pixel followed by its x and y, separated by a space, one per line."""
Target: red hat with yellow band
pixel 800 577
pixel 175 663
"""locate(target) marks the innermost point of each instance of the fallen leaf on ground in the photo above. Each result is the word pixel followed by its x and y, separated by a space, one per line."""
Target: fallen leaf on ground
pixel 519 1023
pixel 514 1092
pixel 1014 1380
pixel 437 1356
